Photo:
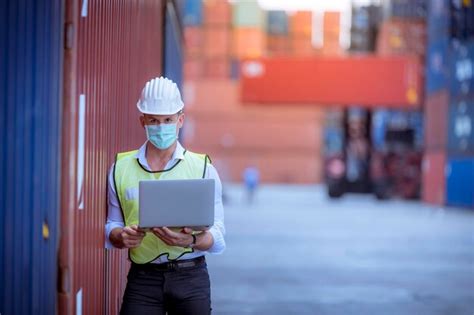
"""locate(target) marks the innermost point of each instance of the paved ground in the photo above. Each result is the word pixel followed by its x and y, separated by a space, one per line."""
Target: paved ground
pixel 296 252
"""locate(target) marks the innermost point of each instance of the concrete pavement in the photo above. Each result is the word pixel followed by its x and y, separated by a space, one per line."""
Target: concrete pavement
pixel 294 251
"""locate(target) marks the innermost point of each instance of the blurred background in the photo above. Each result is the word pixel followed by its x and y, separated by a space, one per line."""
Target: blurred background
pixel 342 132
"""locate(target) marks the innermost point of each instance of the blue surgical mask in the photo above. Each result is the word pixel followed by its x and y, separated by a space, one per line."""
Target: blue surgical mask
pixel 162 136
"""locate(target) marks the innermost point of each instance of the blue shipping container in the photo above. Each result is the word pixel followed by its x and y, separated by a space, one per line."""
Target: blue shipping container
pixel 412 9
pixel 173 56
pixel 460 182
pixel 462 68
pixel 437 65
pixel 192 13
pixel 277 23
pixel 438 19
pixel 30 87
pixel 461 125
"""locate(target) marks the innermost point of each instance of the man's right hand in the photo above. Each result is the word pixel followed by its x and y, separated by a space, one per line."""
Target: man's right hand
pixel 127 237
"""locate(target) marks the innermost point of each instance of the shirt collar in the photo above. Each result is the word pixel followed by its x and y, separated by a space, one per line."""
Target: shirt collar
pixel 178 154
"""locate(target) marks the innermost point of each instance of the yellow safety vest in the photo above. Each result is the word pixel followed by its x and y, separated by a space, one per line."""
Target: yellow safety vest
pixel 127 174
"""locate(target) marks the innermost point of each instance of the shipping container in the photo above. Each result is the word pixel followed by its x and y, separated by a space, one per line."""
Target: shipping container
pixel 280 45
pixel 217 43
pixel 248 42
pixel 302 46
pixel 217 68
pixel 434 179
pixel 217 13
pixel 436 122
pixel 277 23
pixel 273 166
pixel 438 19
pixel 193 69
pixel 103 82
pixel 462 68
pixel 462 15
pixel 331 21
pixel 333 81
pixel 241 132
pixel 301 24
pixel 248 14
pixel 437 65
pixel 460 181
pixel 192 13
pixel 408 9
pixel 460 126
pixel 30 125
pixel 402 37
pixel 194 41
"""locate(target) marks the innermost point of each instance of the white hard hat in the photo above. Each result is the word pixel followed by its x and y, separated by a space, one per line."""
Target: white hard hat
pixel 160 96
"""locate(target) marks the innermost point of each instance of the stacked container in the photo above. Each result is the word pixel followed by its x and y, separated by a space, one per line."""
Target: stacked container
pixel 331 32
pixel 217 39
pixel 449 108
pixel 278 40
pixel 193 40
pixel 249 29
pixel 364 28
pixel 301 24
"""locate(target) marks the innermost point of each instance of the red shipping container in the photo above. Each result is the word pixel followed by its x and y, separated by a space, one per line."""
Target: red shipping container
pixel 217 12
pixel 194 42
pixel 368 81
pixel 249 42
pixel 301 24
pixel 402 37
pixel 217 42
pixel 193 69
pixel 103 78
pixel 434 179
pixel 217 68
pixel 436 120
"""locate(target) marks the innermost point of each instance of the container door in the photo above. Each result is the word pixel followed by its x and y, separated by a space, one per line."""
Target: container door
pixel 30 76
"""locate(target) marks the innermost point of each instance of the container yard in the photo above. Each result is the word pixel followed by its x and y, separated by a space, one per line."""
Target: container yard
pixel 338 135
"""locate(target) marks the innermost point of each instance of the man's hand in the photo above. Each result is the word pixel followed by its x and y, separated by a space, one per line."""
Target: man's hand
pixel 172 238
pixel 127 237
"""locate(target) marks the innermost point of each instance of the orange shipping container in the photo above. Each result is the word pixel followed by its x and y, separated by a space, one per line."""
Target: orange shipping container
pixel 331 21
pixel 217 12
pixel 301 24
pixel 248 42
pixel 278 45
pixel 193 69
pixel 302 46
pixel 334 80
pixel 274 166
pixel 255 134
pixel 217 42
pixel 217 68
pixel 193 40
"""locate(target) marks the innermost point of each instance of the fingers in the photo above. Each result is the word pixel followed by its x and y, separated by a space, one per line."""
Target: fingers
pixel 187 230
pixel 132 236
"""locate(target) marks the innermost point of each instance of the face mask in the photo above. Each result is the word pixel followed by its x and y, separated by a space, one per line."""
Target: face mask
pixel 161 136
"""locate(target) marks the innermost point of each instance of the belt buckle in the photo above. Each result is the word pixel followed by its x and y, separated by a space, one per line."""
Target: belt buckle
pixel 172 265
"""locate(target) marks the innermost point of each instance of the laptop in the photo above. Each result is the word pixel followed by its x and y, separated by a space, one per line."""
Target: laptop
pixel 176 203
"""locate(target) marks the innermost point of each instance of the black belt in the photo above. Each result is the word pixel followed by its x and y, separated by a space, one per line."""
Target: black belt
pixel 172 265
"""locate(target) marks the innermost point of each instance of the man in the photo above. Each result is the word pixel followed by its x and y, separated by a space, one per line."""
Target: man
pixel 168 272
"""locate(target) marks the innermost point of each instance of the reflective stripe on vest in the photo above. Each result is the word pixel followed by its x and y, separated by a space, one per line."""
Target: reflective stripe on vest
pixel 127 174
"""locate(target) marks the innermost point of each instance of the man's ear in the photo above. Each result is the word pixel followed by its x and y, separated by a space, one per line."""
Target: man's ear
pixel 181 120
pixel 142 121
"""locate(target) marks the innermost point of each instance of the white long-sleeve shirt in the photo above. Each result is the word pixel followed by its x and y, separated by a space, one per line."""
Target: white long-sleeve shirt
pixel 115 217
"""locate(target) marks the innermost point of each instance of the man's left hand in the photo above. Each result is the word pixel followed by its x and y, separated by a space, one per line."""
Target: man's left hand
pixel 172 238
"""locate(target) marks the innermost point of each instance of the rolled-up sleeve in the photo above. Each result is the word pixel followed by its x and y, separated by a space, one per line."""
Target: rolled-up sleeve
pixel 218 229
pixel 114 214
